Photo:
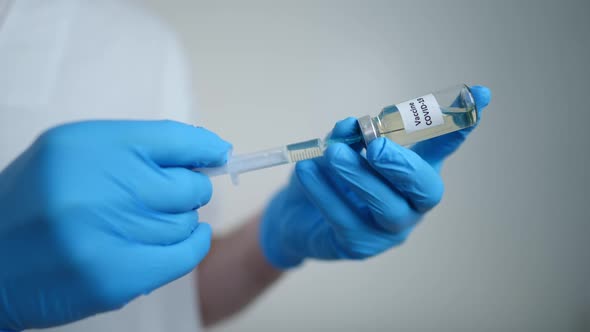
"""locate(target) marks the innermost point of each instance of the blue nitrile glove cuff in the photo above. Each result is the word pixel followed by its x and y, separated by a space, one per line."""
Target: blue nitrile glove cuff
pixel 271 243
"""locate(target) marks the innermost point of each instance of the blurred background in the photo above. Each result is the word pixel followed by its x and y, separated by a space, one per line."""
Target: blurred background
pixel 508 249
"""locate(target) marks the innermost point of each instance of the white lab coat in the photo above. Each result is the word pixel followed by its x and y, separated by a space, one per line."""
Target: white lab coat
pixel 67 60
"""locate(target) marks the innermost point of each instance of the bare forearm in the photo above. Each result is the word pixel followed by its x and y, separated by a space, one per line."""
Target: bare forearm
pixel 233 274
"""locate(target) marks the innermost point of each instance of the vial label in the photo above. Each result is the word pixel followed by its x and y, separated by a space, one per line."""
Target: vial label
pixel 420 113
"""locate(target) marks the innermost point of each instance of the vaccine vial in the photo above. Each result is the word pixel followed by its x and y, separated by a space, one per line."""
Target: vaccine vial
pixel 422 118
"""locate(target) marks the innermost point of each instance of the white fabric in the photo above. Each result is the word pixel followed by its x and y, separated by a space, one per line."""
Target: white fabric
pixel 66 60
pixel 4 6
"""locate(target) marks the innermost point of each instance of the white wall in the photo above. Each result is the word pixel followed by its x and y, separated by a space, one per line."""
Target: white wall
pixel 508 247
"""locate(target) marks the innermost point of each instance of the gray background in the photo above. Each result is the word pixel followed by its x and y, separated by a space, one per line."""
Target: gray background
pixel 508 249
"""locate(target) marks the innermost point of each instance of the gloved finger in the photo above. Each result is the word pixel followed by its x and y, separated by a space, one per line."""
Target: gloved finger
pixel 330 201
pixel 182 257
pixel 144 268
pixel 347 131
pixel 321 243
pixel 351 198
pixel 151 227
pixel 170 143
pixel 391 211
pixel 435 150
pixel 175 190
pixel 411 175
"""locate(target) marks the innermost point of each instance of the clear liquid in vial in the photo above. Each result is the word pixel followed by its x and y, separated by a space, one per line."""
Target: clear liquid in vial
pixel 389 124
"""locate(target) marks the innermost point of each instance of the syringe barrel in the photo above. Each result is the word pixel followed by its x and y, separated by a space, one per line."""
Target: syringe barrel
pixel 243 163
pixel 258 160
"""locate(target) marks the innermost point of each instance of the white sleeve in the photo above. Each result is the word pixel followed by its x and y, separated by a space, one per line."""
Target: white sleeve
pixel 176 92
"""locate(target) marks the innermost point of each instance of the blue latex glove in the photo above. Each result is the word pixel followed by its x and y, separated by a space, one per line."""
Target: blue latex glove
pixel 96 213
pixel 346 206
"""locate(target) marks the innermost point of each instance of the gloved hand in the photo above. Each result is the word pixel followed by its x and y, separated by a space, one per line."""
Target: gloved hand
pixel 346 206
pixel 96 213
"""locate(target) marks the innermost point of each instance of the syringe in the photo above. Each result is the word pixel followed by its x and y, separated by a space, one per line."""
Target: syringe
pixel 280 155
pixel 405 123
